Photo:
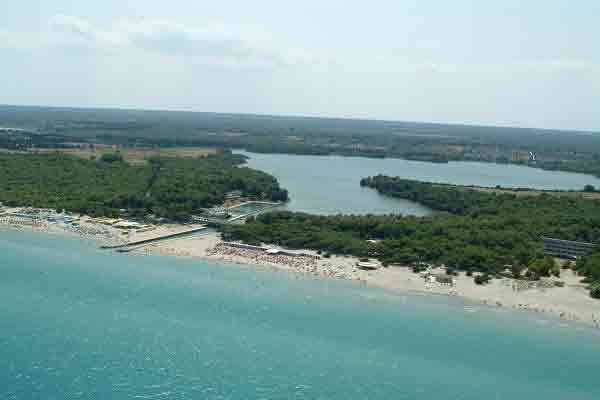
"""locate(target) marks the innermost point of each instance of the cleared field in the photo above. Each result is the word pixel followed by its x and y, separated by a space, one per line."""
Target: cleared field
pixel 186 151
pixel 533 193
pixel 136 156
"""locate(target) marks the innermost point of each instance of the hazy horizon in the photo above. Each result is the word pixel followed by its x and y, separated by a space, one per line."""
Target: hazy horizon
pixel 324 117
pixel 505 64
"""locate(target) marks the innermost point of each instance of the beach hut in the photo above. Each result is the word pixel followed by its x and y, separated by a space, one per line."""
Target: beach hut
pixel 370 266
pixel 127 225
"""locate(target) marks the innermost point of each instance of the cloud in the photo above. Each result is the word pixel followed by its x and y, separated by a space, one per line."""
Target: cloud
pixel 78 30
pixel 557 65
pixel 211 43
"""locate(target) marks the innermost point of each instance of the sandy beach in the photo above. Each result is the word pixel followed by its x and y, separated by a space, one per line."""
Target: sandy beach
pixel 570 303
pixel 211 247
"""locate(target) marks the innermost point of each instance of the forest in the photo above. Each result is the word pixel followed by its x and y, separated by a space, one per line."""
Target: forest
pixel 172 188
pixel 471 231
pixel 553 149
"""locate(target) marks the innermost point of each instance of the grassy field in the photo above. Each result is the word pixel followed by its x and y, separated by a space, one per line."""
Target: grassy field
pixel 534 193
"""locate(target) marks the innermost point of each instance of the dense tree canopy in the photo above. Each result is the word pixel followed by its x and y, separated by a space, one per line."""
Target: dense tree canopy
pixel 168 187
pixel 183 186
pixel 63 182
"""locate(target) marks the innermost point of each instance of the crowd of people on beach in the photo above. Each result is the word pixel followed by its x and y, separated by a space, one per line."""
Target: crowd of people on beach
pixel 85 230
pixel 95 232
pixel 299 263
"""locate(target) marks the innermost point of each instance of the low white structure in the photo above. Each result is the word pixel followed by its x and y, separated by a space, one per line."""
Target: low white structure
pixel 127 225
pixel 273 251
pixel 367 265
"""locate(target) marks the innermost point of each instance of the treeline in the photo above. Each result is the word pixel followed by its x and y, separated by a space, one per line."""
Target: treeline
pixel 173 188
pixel 472 231
pixel 554 150
pixel 590 267
pixel 565 217
pixel 406 143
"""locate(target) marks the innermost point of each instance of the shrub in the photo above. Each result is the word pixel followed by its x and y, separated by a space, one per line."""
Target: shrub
pixel 595 290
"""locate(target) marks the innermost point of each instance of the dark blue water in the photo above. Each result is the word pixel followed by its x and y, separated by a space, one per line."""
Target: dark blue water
pixel 80 323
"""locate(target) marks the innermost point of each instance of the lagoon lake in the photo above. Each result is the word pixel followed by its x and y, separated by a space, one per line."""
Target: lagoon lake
pixel 331 184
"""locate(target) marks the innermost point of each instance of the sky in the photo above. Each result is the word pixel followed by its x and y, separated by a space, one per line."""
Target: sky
pixel 533 63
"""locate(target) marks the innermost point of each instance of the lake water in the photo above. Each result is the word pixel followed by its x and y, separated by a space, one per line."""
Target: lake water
pixel 331 184
pixel 80 323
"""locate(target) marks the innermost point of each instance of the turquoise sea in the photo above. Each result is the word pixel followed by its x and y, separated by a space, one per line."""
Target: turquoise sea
pixel 80 323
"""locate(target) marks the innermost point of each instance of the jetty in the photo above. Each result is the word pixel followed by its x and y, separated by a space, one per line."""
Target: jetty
pixel 207 221
pixel 123 247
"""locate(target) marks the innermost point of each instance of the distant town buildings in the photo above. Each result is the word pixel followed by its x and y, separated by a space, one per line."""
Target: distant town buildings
pixel 519 156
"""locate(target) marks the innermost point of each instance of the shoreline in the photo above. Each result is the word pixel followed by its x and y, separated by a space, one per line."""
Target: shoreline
pixel 535 166
pixel 570 303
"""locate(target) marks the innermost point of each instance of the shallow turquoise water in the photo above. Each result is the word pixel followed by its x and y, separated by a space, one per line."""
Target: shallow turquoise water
pixel 330 184
pixel 80 323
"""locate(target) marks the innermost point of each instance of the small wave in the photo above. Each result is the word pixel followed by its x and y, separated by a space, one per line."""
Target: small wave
pixel 152 396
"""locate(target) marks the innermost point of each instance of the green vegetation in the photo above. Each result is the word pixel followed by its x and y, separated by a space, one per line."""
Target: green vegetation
pixel 595 291
pixel 64 127
pixel 173 188
pixel 590 267
pixel 183 186
pixel 63 182
pixel 481 279
pixel 474 231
